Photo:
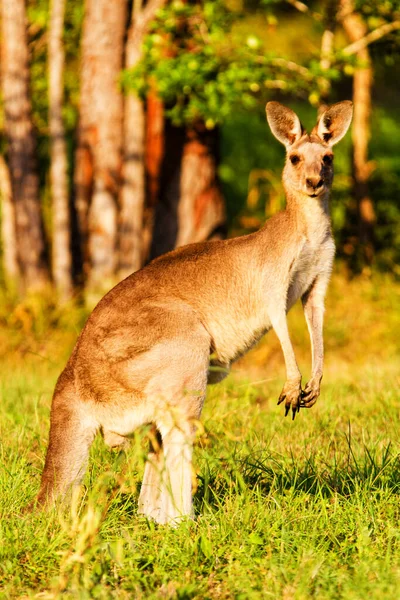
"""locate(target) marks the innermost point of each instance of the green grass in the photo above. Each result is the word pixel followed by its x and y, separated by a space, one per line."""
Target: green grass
pixel 286 510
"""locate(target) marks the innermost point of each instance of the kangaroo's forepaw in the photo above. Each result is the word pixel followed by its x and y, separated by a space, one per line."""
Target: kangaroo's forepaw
pixel 310 393
pixel 291 395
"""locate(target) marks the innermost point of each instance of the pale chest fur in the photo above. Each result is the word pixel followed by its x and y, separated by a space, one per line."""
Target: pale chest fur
pixel 236 340
pixel 238 327
pixel 314 260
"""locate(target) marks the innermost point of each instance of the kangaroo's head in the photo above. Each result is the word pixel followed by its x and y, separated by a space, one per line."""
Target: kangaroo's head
pixel 309 157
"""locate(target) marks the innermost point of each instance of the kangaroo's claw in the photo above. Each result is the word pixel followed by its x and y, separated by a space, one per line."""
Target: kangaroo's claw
pixel 291 394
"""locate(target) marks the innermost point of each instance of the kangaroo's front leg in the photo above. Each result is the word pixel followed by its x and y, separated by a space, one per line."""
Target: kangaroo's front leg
pixel 291 393
pixel 313 303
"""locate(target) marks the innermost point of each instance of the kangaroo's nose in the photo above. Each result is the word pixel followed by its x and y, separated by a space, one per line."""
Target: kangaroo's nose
pixel 314 182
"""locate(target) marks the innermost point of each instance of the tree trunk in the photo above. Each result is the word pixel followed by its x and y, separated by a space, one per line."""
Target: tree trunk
pixel 86 139
pixel 8 234
pixel 154 156
pixel 62 260
pixel 191 207
pixel 356 29
pixel 327 41
pixel 22 146
pixel 165 228
pixel 201 210
pixel 133 191
pixel 154 145
pixel 100 138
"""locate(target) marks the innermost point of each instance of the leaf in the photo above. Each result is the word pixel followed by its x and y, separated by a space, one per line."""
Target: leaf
pixel 256 539
pixel 205 546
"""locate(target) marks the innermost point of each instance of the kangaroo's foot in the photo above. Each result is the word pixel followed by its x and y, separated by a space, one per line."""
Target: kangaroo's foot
pixel 291 395
pixel 310 393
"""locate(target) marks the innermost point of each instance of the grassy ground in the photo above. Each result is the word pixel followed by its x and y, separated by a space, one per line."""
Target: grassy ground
pixel 303 509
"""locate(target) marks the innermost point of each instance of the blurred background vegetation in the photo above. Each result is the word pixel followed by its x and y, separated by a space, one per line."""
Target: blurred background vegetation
pixel 133 127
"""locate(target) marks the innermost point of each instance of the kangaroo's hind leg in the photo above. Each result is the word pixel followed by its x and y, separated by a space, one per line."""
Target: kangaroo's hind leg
pixel 177 425
pixel 149 503
pixel 166 491
pixel 176 477
pixel 176 392
pixel 72 430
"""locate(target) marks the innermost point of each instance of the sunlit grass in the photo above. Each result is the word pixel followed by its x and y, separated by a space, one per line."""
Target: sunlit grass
pixel 303 509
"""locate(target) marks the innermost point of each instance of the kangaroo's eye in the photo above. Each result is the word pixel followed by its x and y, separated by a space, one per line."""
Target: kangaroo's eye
pixel 295 159
pixel 328 158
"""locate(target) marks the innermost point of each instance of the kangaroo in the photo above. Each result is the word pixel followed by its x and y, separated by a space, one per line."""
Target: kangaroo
pixel 145 352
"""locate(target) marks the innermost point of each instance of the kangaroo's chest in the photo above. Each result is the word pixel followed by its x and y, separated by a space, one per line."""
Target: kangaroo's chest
pixel 233 337
pixel 313 259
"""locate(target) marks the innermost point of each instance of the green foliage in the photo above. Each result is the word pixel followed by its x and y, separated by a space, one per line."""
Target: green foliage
pixel 376 11
pixel 202 71
pixel 384 186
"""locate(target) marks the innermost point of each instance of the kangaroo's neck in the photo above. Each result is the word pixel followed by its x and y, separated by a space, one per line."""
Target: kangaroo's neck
pixel 312 215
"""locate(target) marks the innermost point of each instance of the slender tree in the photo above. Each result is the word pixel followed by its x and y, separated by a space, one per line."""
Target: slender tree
pixel 356 30
pixel 22 146
pixel 154 157
pixel 62 260
pixel 133 189
pixel 327 44
pixel 8 234
pixel 86 137
pixel 98 175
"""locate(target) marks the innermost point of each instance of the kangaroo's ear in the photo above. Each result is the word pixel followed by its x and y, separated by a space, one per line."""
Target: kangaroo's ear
pixel 284 123
pixel 334 122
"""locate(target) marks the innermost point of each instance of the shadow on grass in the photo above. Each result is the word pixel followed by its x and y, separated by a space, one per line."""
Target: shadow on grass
pixel 371 471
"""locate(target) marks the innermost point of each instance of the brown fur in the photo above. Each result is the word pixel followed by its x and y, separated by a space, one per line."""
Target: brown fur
pixel 144 353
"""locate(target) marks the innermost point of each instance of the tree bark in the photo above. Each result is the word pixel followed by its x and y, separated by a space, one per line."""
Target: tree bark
pixel 165 226
pixel 8 234
pixel 154 144
pixel 154 156
pixel 61 255
pixel 201 210
pixel 133 190
pixel 86 140
pixel 327 41
pixel 22 146
pixel 191 207
pixel 356 29
pixel 100 138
